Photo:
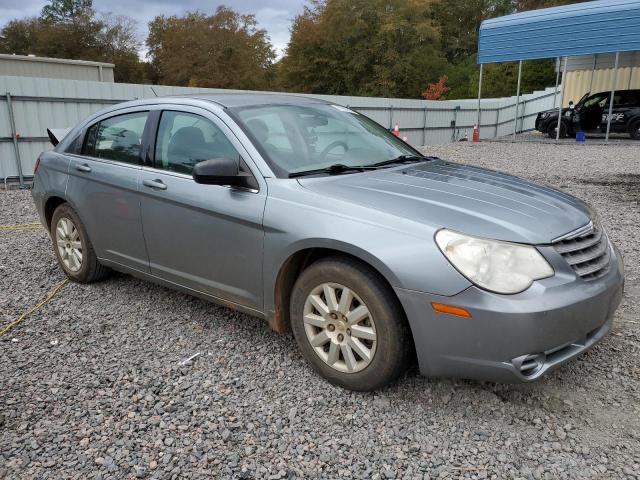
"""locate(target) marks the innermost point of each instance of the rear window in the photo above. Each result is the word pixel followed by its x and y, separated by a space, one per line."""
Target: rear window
pixel 117 138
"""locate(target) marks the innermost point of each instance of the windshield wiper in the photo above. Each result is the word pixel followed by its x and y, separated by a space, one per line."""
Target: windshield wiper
pixel 338 168
pixel 402 159
pixel 334 169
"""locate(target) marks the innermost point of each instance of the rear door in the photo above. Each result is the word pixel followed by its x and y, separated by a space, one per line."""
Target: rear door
pixel 103 187
pixel 205 237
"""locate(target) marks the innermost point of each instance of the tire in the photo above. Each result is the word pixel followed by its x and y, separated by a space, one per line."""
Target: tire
pixel 67 229
pixel 553 126
pixel 383 331
pixel 634 130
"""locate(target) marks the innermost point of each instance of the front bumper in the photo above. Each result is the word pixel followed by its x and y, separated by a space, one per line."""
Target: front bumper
pixel 514 338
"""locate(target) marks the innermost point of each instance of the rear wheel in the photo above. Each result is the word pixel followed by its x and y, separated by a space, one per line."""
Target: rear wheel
pixel 634 130
pixel 73 248
pixel 553 127
pixel 349 325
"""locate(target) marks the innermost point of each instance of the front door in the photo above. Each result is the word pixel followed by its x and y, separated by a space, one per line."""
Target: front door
pixel 591 111
pixel 103 184
pixel 205 237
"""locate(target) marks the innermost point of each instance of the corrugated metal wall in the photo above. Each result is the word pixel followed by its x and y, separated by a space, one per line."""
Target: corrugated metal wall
pixel 594 73
pixel 38 103
pixel 579 82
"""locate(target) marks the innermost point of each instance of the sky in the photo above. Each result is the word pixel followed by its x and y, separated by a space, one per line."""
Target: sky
pixel 273 15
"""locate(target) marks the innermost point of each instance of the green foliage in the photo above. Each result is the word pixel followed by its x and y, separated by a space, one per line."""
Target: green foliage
pixel 459 21
pixel 71 29
pixel 66 11
pixel 398 47
pixel 393 48
pixel 362 47
pixel 223 50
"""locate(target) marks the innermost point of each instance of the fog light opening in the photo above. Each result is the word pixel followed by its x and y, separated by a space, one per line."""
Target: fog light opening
pixel 529 365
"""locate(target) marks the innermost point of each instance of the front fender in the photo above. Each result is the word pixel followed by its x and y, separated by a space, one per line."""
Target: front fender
pixel 402 251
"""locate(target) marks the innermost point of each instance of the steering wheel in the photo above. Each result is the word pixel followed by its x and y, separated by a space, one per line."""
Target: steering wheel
pixel 331 146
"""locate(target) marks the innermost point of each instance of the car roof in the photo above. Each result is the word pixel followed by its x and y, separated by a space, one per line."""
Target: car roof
pixel 635 90
pixel 246 99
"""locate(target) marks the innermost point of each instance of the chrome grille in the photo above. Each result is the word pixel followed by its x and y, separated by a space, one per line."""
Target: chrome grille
pixel 587 251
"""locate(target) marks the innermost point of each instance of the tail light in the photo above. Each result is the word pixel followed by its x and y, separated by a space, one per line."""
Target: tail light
pixel 35 168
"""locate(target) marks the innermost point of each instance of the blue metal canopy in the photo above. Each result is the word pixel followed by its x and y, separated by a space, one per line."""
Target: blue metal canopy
pixel 579 29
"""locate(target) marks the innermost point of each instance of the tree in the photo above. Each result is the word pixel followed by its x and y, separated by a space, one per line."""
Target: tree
pixel 71 29
pixel 66 11
pixel 224 50
pixel 362 47
pixel 436 91
pixel 459 21
pixel 119 44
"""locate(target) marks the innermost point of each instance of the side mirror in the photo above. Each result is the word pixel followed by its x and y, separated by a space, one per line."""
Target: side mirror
pixel 222 171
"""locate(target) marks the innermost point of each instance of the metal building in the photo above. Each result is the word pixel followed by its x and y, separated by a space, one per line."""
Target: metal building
pixel 589 28
pixel 594 73
pixel 31 66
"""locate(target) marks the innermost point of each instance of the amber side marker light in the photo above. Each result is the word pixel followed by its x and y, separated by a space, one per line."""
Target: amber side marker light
pixel 453 310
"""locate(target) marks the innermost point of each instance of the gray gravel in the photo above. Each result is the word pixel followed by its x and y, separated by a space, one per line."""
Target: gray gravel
pixel 92 385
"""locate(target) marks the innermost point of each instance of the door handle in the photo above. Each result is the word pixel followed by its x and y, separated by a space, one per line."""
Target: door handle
pixel 83 168
pixel 157 184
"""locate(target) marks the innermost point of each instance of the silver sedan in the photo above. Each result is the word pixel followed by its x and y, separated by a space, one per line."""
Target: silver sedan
pixel 320 221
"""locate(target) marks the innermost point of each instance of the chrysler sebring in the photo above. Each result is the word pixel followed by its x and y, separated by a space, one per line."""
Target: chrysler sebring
pixel 317 219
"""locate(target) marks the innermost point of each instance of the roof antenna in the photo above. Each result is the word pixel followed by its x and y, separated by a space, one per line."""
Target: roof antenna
pixel 152 89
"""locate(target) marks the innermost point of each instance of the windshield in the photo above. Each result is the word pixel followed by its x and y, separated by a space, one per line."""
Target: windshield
pixel 298 138
pixel 584 97
pixel 598 98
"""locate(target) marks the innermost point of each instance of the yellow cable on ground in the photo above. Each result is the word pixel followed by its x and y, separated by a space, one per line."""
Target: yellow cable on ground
pixel 49 296
pixel 20 226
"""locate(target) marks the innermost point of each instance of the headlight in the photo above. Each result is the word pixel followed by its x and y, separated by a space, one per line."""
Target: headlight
pixel 545 115
pixel 501 267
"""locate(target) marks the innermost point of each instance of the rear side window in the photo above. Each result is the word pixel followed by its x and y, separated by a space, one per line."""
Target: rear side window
pixel 185 139
pixel 117 138
pixel 629 99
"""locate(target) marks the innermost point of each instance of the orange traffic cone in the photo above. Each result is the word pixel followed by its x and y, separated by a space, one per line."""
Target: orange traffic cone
pixel 396 130
pixel 476 134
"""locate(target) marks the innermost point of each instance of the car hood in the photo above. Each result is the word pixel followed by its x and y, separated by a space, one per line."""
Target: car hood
pixel 467 199
pixel 554 111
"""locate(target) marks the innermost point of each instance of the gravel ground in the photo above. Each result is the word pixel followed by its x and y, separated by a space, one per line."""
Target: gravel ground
pixel 592 139
pixel 92 385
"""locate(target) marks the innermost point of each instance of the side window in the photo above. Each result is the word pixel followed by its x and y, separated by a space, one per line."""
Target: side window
pixel 617 99
pixel 628 99
pixel 185 139
pixel 117 138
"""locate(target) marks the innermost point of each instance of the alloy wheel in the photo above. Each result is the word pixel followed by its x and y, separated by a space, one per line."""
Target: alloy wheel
pixel 69 244
pixel 340 327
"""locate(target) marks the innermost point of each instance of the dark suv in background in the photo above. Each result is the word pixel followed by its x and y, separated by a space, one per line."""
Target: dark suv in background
pixel 590 115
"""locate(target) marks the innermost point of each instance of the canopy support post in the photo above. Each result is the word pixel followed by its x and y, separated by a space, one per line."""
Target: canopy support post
pixel 515 116
pixel 479 98
pixel 555 98
pixel 593 71
pixel 613 91
pixel 14 138
pixel 564 84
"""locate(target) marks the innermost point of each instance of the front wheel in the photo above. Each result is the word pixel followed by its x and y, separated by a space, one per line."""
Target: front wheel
pixel 349 325
pixel 553 129
pixel 634 130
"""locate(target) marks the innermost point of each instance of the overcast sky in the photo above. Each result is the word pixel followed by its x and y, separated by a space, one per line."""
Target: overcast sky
pixel 273 15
